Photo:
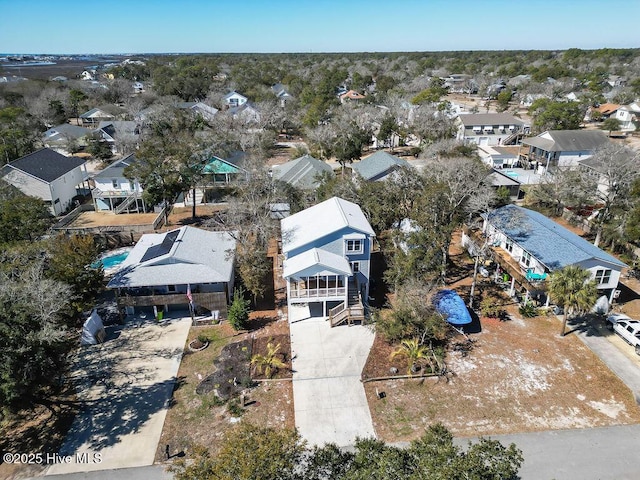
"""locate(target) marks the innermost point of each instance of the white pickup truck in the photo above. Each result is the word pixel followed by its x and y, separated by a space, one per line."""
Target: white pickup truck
pixel 629 330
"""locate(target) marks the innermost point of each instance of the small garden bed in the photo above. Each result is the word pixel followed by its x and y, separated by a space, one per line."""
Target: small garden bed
pixel 232 372
pixel 281 346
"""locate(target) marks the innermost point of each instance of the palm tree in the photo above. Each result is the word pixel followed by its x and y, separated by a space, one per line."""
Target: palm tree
pixel 572 289
pixel 270 362
pixel 412 350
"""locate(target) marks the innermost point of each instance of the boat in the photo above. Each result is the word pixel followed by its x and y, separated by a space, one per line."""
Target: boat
pixel 451 306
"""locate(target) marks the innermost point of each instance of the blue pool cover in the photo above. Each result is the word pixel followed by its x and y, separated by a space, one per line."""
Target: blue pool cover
pixel 449 304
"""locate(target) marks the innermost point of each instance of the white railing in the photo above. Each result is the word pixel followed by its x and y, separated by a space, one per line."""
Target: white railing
pixel 318 292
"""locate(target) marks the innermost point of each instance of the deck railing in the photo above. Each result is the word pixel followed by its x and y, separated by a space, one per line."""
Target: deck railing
pixel 318 292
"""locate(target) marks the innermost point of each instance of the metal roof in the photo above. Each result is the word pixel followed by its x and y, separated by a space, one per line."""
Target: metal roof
pixel 314 223
pixel 302 172
pixel 550 243
pixel 377 164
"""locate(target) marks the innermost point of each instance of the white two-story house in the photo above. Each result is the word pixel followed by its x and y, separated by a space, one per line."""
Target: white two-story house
pixel 327 252
pixel 539 246
pixel 114 192
pixel 490 128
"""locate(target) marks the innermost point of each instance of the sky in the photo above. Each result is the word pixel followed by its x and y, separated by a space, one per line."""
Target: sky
pixel 262 26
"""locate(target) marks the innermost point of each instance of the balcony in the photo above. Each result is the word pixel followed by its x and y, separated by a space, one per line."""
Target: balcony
pixel 97 193
pixel 315 293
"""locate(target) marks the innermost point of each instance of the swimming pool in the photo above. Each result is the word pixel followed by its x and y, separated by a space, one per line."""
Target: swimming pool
pixel 111 260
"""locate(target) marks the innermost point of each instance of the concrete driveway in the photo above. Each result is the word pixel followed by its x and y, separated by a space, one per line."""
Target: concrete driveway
pixel 126 384
pixel 329 399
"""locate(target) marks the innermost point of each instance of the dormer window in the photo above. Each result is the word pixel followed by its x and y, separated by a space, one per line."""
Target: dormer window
pixel 354 246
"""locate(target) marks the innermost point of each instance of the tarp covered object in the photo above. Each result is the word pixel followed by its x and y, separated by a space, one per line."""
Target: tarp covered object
pixel 93 330
pixel 449 304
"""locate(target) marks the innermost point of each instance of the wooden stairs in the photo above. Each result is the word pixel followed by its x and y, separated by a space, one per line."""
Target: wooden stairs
pixel 352 312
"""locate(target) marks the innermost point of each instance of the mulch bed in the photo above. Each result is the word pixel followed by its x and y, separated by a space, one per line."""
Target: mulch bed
pixel 380 364
pixel 260 348
pixel 232 374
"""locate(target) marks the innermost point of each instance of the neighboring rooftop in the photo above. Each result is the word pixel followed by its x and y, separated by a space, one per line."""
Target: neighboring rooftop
pixel 187 255
pixel 321 220
pixel 550 243
pixel 474 119
pixel 116 169
pixel 65 132
pixel 568 140
pixel 45 164
pixel 377 164
pixel 303 172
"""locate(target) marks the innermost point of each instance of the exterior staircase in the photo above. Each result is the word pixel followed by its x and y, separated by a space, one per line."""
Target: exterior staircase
pixel 125 204
pixel 350 313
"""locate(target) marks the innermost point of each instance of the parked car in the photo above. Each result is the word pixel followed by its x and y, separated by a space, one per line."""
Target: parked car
pixel 629 330
pixel 615 318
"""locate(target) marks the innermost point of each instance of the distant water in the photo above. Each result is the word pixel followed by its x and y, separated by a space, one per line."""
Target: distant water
pixel 27 64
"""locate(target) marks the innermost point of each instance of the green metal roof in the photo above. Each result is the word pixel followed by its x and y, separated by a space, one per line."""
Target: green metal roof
pixel 217 165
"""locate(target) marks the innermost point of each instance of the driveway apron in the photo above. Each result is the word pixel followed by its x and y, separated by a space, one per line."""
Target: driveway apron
pixel 329 399
pixel 126 384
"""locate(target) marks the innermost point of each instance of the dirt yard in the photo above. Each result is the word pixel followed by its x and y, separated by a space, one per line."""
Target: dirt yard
pixel 198 419
pixel 519 376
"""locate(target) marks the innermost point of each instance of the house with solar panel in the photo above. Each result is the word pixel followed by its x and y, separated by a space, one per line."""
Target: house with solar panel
pixel 114 192
pixel 169 270
pixel 47 175
pixel 528 246
pixel 327 256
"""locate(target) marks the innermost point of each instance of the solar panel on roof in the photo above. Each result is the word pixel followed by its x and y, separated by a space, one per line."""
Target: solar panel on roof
pixel 162 248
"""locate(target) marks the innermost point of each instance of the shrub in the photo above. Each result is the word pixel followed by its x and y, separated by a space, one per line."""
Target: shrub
pixel 234 408
pixel 528 310
pixel 490 308
pixel 239 310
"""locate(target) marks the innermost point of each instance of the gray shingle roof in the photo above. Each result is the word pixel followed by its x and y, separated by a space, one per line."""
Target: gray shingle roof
pixel 302 172
pixel 377 164
pixel 116 169
pixel 65 131
pixel 479 119
pixel 46 164
pixel 187 255
pixel 550 243
pixel 568 140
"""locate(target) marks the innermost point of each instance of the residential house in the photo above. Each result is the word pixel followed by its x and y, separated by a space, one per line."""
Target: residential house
pixel 498 179
pixel 379 166
pixel 499 157
pixel 66 139
pixel 176 268
pixel 491 128
pixel 528 246
pixel 198 108
pixel 116 193
pixel 461 83
pixel 628 116
pixel 138 87
pixel 122 136
pixel 101 114
pixel 234 99
pixel 247 113
pixel 528 99
pixel 327 252
pixel 602 112
pixel 226 170
pixel 351 95
pixel 48 175
pixel 304 172
pixel 281 94
pixel 561 148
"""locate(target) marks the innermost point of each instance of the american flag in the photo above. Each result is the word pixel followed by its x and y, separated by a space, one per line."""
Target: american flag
pixel 189 296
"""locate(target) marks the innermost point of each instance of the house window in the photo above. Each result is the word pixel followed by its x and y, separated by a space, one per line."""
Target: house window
pixel 171 288
pixel 508 245
pixel 526 258
pixel 603 276
pixel 354 246
pixel 355 267
pixel 132 185
pixel 114 183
